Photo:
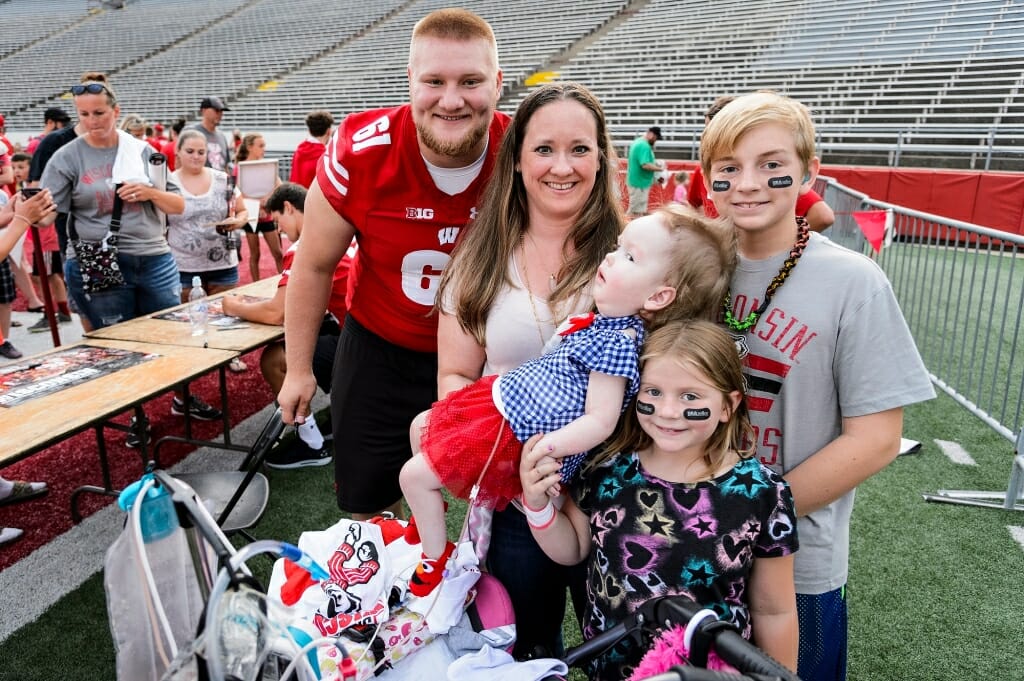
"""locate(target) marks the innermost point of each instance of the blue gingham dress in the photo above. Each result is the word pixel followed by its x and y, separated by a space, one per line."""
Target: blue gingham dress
pixel 550 392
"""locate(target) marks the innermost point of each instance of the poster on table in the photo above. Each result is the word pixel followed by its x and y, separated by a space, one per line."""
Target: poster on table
pixel 47 374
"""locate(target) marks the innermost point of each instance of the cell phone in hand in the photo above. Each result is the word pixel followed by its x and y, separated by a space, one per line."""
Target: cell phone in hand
pixel 29 192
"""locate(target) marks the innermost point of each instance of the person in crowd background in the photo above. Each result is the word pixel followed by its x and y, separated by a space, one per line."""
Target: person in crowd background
pixel 53 262
pixel 204 238
pixel 20 263
pixel 54 118
pixel 843 373
pixel 254 148
pixel 80 177
pixel 286 204
pixel 683 452
pixel 134 125
pixel 15 219
pixel 307 155
pixel 169 146
pixel 549 217
pixel 641 167
pixel 218 151
pixel 682 186
pixel 434 161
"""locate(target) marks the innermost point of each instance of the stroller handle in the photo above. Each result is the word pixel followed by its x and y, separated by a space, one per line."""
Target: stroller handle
pixel 688 673
pixel 751 661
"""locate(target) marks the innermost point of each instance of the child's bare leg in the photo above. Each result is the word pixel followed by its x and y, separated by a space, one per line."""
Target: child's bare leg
pixel 422 492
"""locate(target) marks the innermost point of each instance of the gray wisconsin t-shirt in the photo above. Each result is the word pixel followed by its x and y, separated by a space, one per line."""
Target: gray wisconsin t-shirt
pixel 79 177
pixel 832 344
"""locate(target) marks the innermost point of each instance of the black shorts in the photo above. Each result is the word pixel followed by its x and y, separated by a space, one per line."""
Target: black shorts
pixel 378 388
pixel 324 352
pixel 263 226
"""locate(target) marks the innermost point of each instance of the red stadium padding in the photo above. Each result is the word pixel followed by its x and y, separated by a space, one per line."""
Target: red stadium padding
pixel 990 199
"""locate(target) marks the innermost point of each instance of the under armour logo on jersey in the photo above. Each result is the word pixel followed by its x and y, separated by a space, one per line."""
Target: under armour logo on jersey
pixel 447 235
pixel 472 213
pixel 419 213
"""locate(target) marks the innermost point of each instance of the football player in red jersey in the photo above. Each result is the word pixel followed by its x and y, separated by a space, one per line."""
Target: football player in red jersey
pixel 404 181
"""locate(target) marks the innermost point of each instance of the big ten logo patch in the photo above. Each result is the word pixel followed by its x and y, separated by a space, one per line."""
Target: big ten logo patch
pixel 419 213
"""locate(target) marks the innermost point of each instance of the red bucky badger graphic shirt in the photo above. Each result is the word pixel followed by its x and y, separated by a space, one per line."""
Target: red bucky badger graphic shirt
pixel 832 344
pixel 374 176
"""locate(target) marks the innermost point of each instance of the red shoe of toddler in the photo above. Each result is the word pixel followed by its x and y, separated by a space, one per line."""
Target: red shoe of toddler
pixel 429 572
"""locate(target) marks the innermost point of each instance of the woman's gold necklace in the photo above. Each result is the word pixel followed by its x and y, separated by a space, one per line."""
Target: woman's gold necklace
pixel 553 281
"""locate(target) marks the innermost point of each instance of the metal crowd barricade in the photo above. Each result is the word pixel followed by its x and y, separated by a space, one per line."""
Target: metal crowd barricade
pixel 961 288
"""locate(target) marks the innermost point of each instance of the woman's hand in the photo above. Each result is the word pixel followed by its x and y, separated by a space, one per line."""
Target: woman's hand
pixel 36 209
pixel 539 474
pixel 135 192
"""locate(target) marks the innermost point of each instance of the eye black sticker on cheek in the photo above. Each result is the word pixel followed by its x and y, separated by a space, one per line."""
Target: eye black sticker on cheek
pixel 697 414
pixel 720 185
pixel 780 182
pixel 644 408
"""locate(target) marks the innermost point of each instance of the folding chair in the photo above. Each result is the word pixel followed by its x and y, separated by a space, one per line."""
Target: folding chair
pixel 237 499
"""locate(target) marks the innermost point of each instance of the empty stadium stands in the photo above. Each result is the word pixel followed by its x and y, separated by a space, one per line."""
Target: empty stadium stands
pixel 922 82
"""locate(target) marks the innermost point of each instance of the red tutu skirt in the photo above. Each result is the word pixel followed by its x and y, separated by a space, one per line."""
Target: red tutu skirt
pixel 461 431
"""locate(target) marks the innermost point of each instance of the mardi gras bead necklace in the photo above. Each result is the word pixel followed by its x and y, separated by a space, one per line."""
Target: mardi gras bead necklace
pixel 802 236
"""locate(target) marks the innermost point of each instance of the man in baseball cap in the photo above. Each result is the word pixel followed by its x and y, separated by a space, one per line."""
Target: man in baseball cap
pixel 211 110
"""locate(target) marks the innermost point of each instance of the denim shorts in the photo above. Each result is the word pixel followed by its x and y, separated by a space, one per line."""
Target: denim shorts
pixel 151 284
pixel 225 277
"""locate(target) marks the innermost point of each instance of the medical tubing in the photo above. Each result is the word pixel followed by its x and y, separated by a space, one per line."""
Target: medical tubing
pixel 224 577
pixel 347 670
pixel 154 604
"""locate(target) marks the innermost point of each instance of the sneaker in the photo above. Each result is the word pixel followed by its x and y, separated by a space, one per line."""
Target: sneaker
pixel 42 326
pixel 138 435
pixel 9 351
pixel 299 455
pixel 9 534
pixel 197 409
pixel 63 318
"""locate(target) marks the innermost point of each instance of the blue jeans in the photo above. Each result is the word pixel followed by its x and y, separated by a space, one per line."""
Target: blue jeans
pixel 151 284
pixel 535 584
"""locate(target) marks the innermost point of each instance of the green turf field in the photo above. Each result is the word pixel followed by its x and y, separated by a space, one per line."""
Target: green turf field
pixel 935 589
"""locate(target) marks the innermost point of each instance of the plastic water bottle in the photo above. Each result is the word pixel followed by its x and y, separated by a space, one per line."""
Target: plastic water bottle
pixel 198 308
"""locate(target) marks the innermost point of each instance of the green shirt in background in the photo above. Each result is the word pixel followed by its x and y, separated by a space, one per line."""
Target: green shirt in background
pixel 640 152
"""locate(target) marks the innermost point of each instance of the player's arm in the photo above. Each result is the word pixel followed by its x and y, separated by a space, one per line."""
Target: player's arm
pixel 566 539
pixel 325 238
pixel 820 217
pixel 867 445
pixel 604 404
pixel 263 311
pixel 773 608
pixel 460 359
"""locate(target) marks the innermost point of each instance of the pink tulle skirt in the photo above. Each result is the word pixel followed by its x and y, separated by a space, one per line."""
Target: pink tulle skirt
pixel 460 433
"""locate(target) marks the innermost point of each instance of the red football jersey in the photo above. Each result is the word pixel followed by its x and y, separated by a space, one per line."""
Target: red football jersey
pixel 374 176
pixel 337 304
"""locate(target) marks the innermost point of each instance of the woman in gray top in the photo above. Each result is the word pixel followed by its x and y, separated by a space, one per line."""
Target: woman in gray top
pixel 81 178
pixel 84 176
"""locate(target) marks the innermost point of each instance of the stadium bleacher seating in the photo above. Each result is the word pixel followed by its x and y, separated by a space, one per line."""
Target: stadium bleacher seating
pixel 935 80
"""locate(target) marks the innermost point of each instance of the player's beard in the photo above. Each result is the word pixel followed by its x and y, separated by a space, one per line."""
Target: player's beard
pixel 457 148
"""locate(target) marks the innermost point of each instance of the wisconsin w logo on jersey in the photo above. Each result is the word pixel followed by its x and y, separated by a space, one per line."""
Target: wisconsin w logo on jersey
pixel 447 235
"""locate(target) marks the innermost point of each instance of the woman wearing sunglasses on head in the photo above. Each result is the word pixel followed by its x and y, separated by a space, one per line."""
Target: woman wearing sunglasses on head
pixel 102 181
pixel 99 171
